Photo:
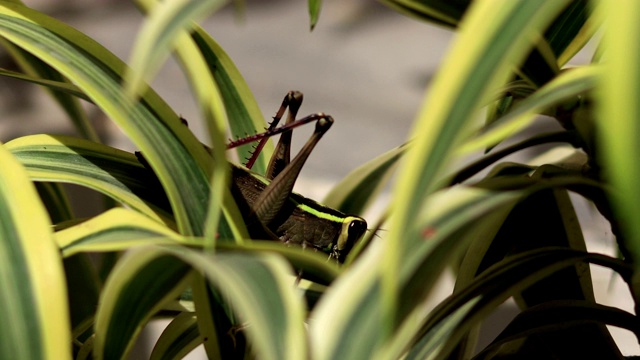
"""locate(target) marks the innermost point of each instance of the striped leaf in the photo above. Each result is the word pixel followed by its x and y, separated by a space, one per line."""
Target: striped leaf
pixel 178 159
pixel 116 230
pixel 165 23
pixel 494 37
pixel 68 101
pixel 115 173
pixel 33 300
pixel 618 118
pixel 568 85
pixel 51 84
pixel 353 304
pixel 138 286
pixel 210 69
pixel 178 339
pixel 513 275
pixel 358 188
pixel 256 285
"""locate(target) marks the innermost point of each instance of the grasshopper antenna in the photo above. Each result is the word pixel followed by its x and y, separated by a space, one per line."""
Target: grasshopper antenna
pixel 272 132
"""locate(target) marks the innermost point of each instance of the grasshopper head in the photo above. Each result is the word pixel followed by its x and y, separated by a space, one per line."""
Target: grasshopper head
pixel 353 228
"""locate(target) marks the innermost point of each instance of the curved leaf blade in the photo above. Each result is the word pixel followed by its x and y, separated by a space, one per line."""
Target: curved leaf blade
pixel 618 119
pixel 241 107
pixel 115 173
pixel 165 23
pixel 358 188
pixel 513 275
pixel 208 68
pixel 353 304
pixel 256 286
pixel 260 292
pixel 314 12
pixel 140 283
pixel 115 230
pixel 474 68
pixel 567 85
pixel 51 84
pixel 179 338
pixel 33 300
pixel 179 160
pixel 547 319
pixel 67 100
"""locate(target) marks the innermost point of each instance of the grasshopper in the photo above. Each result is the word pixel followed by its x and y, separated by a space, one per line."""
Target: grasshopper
pixel 269 206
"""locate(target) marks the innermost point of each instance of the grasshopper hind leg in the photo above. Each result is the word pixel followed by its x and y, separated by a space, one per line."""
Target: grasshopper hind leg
pixel 291 101
pixel 282 153
pixel 273 198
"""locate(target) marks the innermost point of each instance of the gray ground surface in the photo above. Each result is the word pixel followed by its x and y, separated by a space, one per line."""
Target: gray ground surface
pixel 365 65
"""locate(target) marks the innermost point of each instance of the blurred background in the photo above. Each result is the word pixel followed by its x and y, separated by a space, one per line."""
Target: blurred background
pixel 364 64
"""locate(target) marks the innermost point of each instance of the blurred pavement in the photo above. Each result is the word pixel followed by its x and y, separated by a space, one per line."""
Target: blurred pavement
pixel 364 64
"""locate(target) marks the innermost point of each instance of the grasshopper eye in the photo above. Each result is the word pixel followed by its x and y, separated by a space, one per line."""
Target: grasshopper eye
pixel 357 228
pixel 352 230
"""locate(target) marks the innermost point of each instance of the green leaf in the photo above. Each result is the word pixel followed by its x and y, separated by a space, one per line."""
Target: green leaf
pixel 493 38
pixel 179 160
pixel 116 230
pixel 431 345
pixel 550 221
pixel 213 75
pixel 356 190
pixel 216 323
pixel 314 266
pixel 259 292
pixel 581 38
pixel 547 319
pixel 140 283
pixel 314 12
pixel 482 163
pixel 67 100
pixel 241 107
pixel 115 173
pixel 255 285
pixel 445 13
pixel 165 23
pixel 512 275
pixel 353 305
pixel 178 338
pixel 33 300
pixel 222 96
pixel 568 85
pixel 51 84
pixel 618 120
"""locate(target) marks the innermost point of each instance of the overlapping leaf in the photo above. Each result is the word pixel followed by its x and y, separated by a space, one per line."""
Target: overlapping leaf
pixel 33 300
pixel 618 117
pixel 256 286
pixel 177 157
pixel 113 172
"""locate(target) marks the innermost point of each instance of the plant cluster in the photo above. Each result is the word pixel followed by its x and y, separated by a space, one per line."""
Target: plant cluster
pixel 174 244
